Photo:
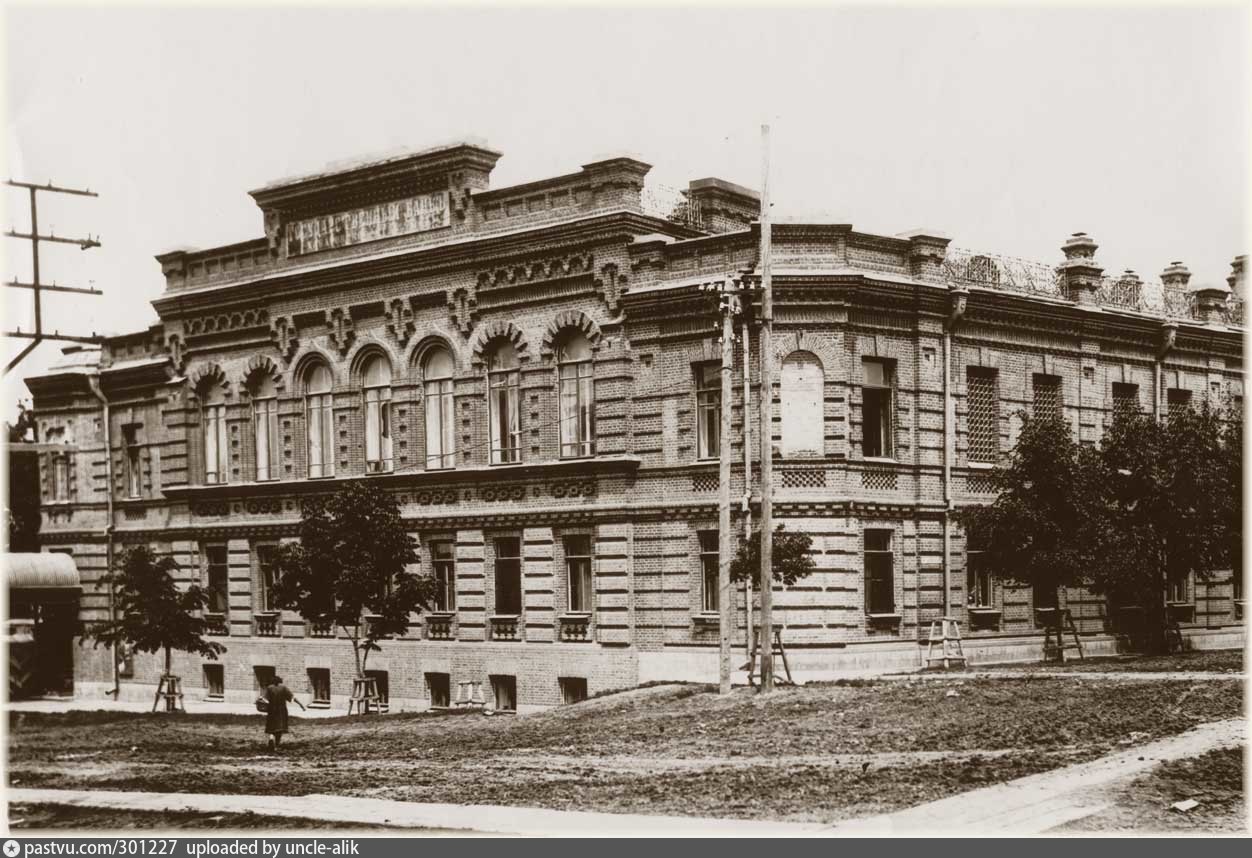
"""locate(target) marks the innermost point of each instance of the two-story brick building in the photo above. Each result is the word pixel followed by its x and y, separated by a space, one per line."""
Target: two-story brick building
pixel 532 371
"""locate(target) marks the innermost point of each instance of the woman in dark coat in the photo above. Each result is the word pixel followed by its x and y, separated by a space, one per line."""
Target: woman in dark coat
pixel 277 696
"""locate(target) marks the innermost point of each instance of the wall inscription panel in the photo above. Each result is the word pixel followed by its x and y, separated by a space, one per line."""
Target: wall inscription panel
pixel 421 213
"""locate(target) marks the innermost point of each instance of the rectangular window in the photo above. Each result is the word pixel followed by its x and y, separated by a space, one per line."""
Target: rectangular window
pixel 577 410
pixel 1178 400
pixel 215 681
pixel 879 576
pixel 508 575
pixel 440 425
pixel 265 425
pixel 1047 402
pixel 708 410
pixel 504 691
pixel 1125 399
pixel 134 464
pixel 578 572
pixel 506 429
pixel 978 578
pixel 321 428
pixel 263 676
pixel 573 689
pixel 267 576
pixel 60 477
pixel 216 446
pixel 383 686
pixel 440 685
pixel 1177 591
pixel 876 409
pixel 1044 597
pixel 709 560
pixel 319 685
pixel 983 418
pixel 377 429
pixel 219 579
pixel 443 559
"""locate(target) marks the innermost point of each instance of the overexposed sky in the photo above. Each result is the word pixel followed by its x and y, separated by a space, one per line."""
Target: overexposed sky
pixel 1007 128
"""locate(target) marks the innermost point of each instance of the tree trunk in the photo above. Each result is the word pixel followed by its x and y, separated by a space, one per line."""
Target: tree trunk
pixel 167 661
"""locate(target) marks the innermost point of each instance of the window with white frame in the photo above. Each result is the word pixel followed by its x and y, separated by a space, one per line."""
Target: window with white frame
pixel 216 444
pixel 376 379
pixel 443 561
pixel 320 420
pixel 708 410
pixel 802 392
pixel 503 380
pixel 877 408
pixel 578 573
pixel 265 428
pixel 577 396
pixel 709 577
pixel 880 591
pixel 1176 591
pixel 437 371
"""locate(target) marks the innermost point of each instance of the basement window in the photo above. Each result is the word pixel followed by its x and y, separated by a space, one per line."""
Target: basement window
pixel 440 685
pixel 215 681
pixel 319 686
pixel 573 689
pixel 504 692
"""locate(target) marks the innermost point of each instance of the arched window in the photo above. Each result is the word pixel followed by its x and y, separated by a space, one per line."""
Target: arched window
pixel 578 419
pixel 803 427
pixel 216 446
pixel 376 379
pixel 320 422
pixel 265 427
pixel 437 370
pixel 502 402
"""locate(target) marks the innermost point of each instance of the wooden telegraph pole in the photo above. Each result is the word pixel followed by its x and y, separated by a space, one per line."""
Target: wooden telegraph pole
pixel 726 539
pixel 766 431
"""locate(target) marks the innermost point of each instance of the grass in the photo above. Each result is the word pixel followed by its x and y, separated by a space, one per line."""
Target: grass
pixel 56 817
pixel 1199 661
pixel 817 753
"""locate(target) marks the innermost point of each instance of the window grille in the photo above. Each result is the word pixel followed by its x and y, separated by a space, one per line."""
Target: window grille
pixel 709 570
pixel 1047 397
pixel 983 418
pixel 1178 400
pixel 1125 399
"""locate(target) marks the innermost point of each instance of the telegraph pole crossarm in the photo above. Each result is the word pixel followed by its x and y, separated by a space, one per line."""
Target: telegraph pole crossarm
pixel 14 284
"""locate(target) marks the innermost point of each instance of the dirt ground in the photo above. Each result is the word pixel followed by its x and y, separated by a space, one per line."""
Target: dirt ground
pixel 54 817
pixel 1214 779
pixel 1201 661
pixel 818 753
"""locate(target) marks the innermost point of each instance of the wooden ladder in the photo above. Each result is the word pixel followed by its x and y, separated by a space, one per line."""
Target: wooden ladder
pixel 779 650
pixel 171 689
pixel 947 633
pixel 1060 622
pixel 364 696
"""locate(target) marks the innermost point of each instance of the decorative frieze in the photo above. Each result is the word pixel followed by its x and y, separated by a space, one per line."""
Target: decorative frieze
pixel 285 336
pixel 340 329
pixel 225 322
pixel 400 321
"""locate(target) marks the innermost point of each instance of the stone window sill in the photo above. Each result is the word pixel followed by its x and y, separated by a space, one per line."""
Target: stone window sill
pixel 884 619
pixel 706 618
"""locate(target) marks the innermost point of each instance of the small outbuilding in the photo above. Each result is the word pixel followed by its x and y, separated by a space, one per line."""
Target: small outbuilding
pixel 42 623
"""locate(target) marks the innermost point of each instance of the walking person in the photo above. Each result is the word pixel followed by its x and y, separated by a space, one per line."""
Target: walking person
pixel 277 695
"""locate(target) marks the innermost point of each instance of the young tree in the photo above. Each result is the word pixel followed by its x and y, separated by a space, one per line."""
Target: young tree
pixel 349 568
pixel 151 613
pixel 1172 510
pixel 1033 533
pixel 791 558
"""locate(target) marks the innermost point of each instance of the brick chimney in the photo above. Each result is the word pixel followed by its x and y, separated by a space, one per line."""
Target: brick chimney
pixel 1080 272
pixel 1176 276
pixel 1238 276
pixel 1209 301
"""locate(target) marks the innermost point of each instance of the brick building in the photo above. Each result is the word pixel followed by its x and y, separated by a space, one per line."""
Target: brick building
pixel 528 370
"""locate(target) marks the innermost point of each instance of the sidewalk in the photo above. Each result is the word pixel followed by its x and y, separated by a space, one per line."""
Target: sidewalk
pixel 444 818
pixel 1035 804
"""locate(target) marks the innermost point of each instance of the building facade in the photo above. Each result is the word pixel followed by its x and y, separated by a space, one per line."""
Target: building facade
pixel 533 372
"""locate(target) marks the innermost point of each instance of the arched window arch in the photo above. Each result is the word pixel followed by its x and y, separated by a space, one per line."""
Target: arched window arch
pixel 265 425
pixel 577 396
pixel 216 445
pixel 803 424
pixel 502 401
pixel 320 421
pixel 437 371
pixel 376 379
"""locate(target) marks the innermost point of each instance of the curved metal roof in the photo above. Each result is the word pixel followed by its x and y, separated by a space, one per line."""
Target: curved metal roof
pixel 40 571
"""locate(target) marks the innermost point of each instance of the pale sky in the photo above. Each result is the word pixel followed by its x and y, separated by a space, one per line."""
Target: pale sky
pixel 1006 128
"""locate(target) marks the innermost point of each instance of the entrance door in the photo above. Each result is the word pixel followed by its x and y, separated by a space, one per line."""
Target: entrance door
pixel 54 647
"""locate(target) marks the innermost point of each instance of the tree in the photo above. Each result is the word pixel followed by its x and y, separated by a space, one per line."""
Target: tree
pixel 1172 508
pixel 151 613
pixel 791 558
pixel 350 568
pixel 1031 533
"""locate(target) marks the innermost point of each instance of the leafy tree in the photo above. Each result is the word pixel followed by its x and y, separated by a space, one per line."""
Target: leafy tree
pixel 791 558
pixel 349 568
pixel 1172 507
pixel 151 613
pixel 1033 533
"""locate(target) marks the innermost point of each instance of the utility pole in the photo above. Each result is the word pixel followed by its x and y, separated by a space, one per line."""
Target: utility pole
pixel 747 468
pixel 726 540
pixel 766 431
pixel 39 335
